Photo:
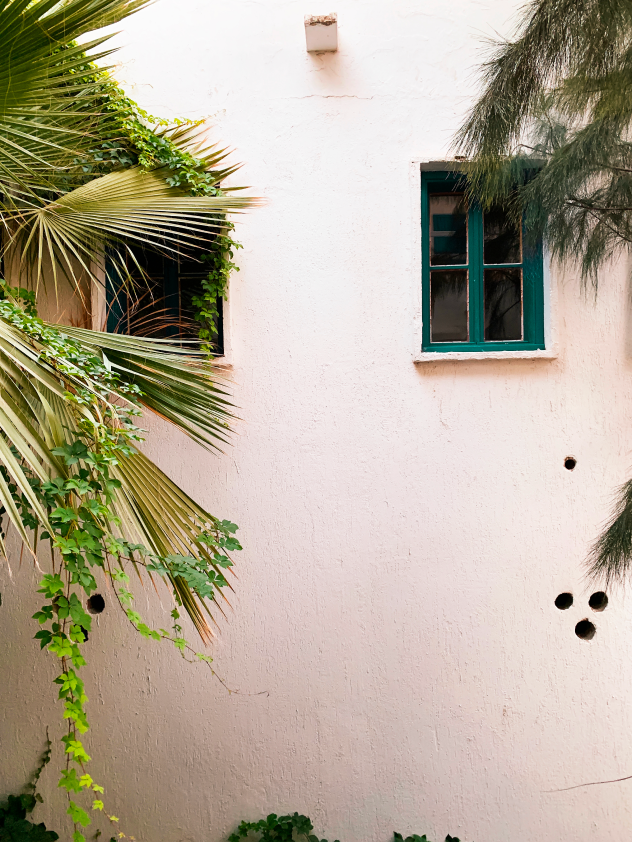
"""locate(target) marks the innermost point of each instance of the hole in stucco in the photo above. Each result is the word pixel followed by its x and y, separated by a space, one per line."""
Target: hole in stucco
pixel 95 604
pixel 570 462
pixel 564 601
pixel 585 629
pixel 598 601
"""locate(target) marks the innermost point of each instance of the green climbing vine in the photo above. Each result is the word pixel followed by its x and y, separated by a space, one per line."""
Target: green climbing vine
pixel 219 260
pixel 85 540
pixel 132 136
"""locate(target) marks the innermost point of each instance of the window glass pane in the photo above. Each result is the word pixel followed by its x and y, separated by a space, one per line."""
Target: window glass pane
pixel 503 304
pixel 501 238
pixel 448 306
pixel 448 230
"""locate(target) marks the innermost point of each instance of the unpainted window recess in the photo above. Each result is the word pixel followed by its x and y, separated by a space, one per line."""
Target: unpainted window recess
pixel 321 33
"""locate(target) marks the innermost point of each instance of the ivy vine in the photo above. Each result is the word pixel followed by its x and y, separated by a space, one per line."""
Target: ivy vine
pixel 84 539
pixel 132 136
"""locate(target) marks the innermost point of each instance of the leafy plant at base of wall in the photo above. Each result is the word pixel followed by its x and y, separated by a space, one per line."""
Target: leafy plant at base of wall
pixel 297 828
pixel 14 826
pixel 294 828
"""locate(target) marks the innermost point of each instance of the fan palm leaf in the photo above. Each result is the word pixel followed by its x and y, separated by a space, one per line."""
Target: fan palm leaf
pixel 176 382
pixel 36 418
pixel 61 219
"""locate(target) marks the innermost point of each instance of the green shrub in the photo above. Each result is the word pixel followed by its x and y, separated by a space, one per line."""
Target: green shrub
pixel 14 826
pixel 297 828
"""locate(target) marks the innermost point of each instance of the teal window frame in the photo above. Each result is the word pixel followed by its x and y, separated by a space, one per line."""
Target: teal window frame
pixel 532 279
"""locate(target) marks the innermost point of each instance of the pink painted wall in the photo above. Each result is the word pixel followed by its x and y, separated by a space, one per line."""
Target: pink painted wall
pixel 407 526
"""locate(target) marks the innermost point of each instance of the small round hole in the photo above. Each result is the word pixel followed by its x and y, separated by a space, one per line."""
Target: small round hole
pixel 570 462
pixel 564 601
pixel 598 601
pixel 85 634
pixel 95 604
pixel 585 629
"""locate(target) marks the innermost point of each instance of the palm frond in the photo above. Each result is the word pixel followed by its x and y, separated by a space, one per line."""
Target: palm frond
pixel 36 418
pixel 129 205
pixel 47 107
pixel 177 381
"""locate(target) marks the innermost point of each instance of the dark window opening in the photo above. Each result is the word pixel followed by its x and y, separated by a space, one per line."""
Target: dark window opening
pixel 159 300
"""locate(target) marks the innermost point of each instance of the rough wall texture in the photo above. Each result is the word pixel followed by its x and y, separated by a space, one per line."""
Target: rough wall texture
pixel 407 528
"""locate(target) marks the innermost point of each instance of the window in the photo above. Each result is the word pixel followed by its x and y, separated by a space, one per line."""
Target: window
pixel 161 304
pixel 482 287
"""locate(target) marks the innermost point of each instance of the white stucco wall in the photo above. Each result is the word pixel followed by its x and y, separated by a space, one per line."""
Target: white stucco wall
pixel 406 527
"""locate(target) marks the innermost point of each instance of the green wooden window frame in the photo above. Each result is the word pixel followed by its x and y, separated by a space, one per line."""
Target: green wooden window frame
pixel 532 279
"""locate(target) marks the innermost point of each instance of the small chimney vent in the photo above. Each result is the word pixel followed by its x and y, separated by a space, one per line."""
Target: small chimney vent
pixel 321 33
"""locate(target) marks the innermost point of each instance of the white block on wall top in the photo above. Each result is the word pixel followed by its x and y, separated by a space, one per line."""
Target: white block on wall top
pixel 321 33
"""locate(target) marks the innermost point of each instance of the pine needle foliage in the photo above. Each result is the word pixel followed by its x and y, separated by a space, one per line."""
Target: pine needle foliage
pixel 611 556
pixel 550 135
pixel 550 138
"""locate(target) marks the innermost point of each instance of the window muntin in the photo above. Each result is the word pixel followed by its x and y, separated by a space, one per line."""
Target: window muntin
pixel 482 285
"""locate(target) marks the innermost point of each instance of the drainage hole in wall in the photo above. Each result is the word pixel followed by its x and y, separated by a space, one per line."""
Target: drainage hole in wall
pixel 598 601
pixel 570 462
pixel 585 629
pixel 95 604
pixel 564 601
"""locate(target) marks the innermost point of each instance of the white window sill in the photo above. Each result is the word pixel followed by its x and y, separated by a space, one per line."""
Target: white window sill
pixel 458 356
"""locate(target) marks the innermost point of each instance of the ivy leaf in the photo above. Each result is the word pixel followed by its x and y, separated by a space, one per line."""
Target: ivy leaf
pixel 78 815
pixel 51 585
pixel 202 657
pixel 72 453
pixel 65 515
pixel 69 781
pixel 45 614
pixel 80 617
pixel 44 638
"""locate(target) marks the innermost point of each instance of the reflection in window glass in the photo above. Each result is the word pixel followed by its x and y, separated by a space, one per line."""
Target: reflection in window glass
pixel 448 230
pixel 448 306
pixel 503 304
pixel 501 238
